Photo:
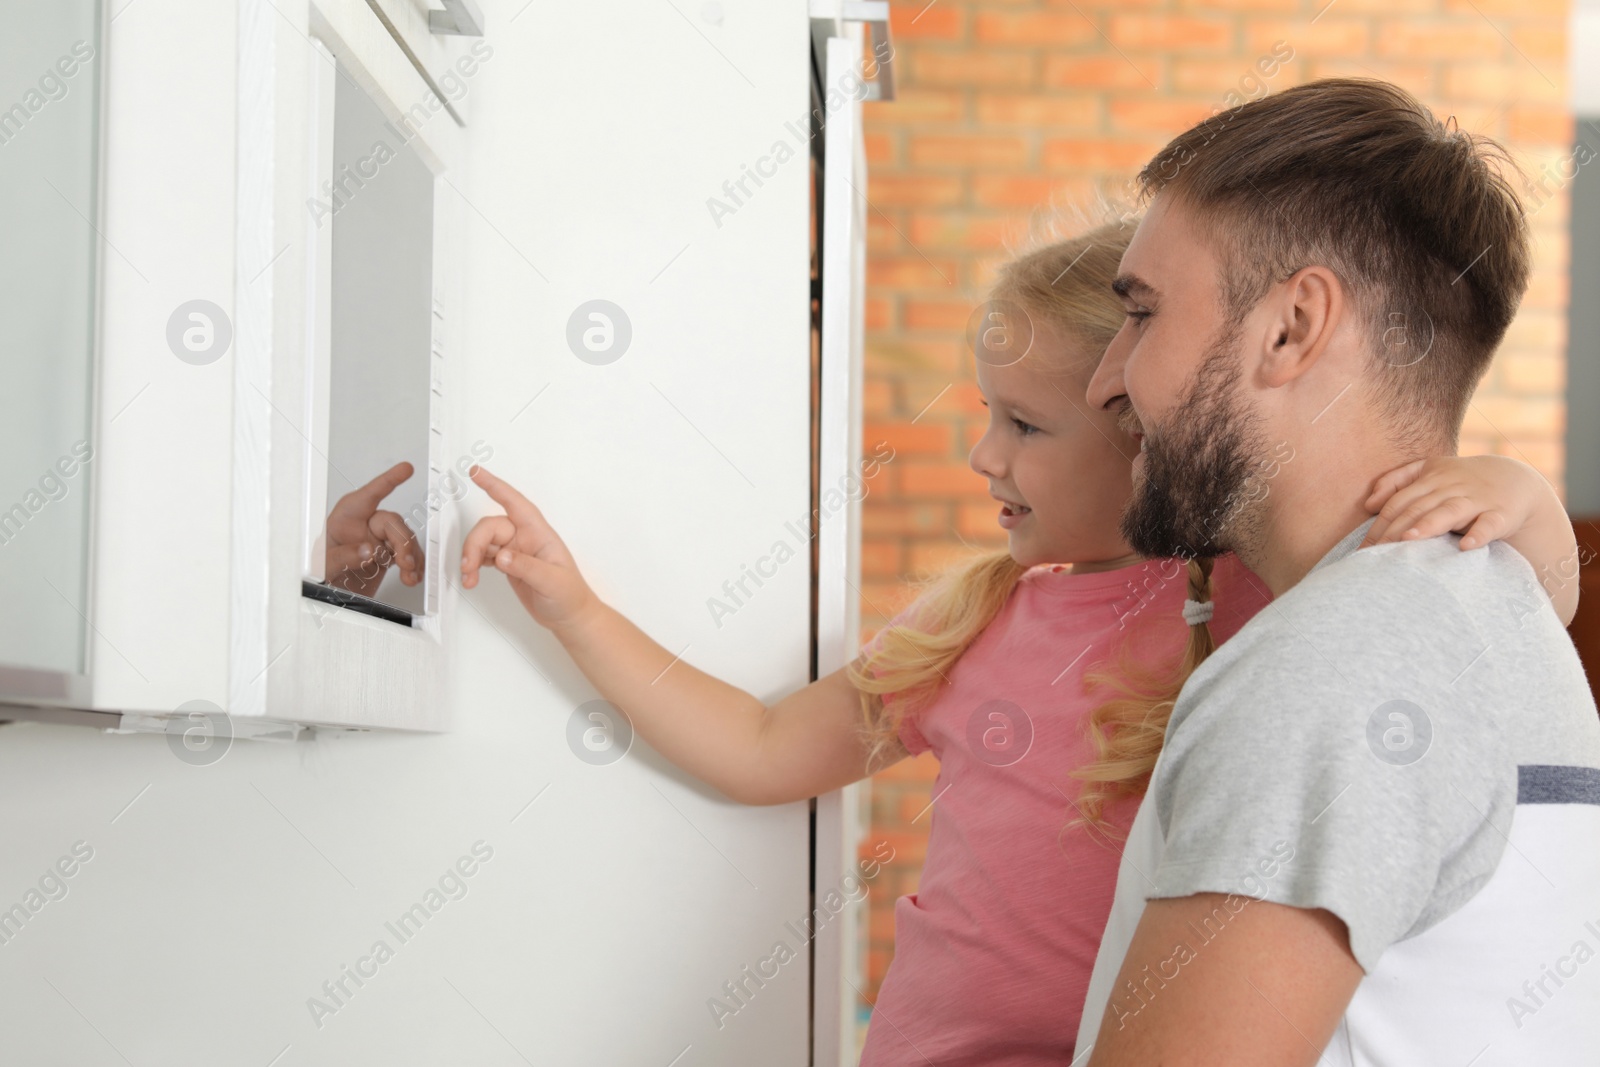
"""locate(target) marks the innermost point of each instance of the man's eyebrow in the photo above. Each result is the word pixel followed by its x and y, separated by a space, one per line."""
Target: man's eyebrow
pixel 1126 285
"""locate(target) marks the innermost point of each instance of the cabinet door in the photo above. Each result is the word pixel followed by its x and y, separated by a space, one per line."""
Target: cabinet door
pixel 842 483
pixel 49 152
pixel 372 212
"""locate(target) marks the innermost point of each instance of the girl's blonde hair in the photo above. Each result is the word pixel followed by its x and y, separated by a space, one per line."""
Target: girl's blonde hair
pixel 1068 283
pixel 1128 730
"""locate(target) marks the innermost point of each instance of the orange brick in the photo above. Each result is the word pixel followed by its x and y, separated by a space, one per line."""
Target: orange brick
pixel 1548 291
pixel 973 69
pixel 1453 40
pixel 930 558
pixel 1549 225
pixel 911 106
pixel 939 479
pixel 1544 42
pixel 1080 112
pixel 980 275
pixel 883 478
pixel 1512 9
pixel 1536 330
pixel 879 314
pixel 1177 33
pixel 1516 417
pixel 1209 78
pixel 912 272
pixel 1543 456
pixel 968 150
pixel 912 189
pixel 1549 125
pixel 885 598
pixel 948 315
pixel 880 923
pixel 880 558
pixel 940 357
pixel 1528 373
pixel 965 398
pixel 925 437
pixel 885 519
pixel 1094 5
pixel 881 148
pixel 1169 117
pixel 1035 28
pixel 1007 190
pixel 1246 6
pixel 1381 7
pixel 877 397
pixel 977 523
pixel 1097 155
pixel 1328 36
pixel 916 22
pixel 1103 72
pixel 914 806
pixel 934 230
pixel 1499 83
pixel 883 236
pixel 929 397
pixel 910 847
pixel 1416 78
pixel 920 768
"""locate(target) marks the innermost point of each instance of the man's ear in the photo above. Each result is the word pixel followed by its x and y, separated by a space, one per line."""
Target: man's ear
pixel 1303 313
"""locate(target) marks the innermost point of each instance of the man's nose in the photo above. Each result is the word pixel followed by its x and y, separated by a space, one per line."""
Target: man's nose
pixel 1107 391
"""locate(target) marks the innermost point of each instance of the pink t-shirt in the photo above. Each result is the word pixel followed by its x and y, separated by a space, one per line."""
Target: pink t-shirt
pixel 994 950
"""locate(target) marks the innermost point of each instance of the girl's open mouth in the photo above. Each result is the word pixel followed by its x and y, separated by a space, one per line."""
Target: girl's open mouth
pixel 1012 514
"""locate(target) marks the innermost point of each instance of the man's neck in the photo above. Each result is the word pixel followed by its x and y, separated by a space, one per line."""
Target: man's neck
pixel 1304 517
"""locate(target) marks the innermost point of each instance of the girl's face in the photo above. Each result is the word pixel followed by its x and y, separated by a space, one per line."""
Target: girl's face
pixel 1061 472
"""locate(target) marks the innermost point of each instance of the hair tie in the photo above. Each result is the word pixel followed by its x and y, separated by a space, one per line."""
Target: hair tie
pixel 1196 612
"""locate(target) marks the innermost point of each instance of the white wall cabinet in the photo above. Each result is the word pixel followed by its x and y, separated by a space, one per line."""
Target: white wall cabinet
pixel 272 308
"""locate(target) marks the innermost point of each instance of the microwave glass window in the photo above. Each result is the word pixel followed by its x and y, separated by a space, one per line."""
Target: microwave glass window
pixel 379 386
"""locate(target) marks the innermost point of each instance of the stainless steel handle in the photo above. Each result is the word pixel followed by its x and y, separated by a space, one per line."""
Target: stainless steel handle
pixel 460 18
pixel 875 14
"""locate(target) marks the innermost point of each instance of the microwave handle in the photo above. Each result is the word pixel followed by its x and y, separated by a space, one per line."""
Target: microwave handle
pixel 875 14
pixel 460 18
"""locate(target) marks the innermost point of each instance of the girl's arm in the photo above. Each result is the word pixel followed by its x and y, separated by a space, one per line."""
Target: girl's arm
pixel 805 744
pixel 1492 498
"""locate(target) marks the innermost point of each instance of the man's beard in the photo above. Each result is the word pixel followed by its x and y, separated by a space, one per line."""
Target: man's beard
pixel 1194 498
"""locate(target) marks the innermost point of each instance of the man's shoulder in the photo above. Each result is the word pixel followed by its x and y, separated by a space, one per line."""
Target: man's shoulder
pixel 1432 565
pixel 1411 614
pixel 1398 591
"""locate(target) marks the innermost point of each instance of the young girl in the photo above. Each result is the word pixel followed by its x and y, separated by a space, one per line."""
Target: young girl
pixel 990 668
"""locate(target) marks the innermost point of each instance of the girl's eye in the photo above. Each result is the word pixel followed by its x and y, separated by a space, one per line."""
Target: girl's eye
pixel 1024 428
pixel 1138 317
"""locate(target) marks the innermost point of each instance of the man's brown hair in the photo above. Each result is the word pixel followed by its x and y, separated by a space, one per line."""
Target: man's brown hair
pixel 1416 217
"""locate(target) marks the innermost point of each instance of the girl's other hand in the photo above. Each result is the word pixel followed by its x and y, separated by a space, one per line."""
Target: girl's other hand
pixel 526 549
pixel 1489 498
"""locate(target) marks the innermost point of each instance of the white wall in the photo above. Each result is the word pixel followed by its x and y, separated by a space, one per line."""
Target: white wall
pixel 220 898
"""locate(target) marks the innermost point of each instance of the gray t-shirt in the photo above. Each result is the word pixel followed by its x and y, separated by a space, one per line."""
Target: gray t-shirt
pixel 1374 742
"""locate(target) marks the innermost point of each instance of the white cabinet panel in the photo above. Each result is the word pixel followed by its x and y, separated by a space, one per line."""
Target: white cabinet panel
pixel 49 153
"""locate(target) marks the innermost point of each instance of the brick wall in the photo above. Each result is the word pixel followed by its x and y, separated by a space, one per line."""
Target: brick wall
pixel 1008 106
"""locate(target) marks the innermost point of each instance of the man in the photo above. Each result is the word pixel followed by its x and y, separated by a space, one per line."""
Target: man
pixel 1373 836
